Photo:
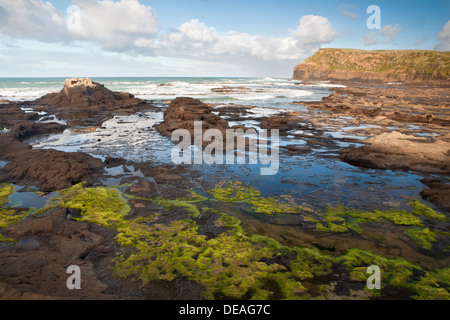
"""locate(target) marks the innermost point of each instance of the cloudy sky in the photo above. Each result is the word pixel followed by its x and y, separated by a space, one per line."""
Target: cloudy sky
pixel 224 38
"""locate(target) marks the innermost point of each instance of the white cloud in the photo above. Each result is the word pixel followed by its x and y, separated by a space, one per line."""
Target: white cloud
pixel 32 19
pixel 390 32
pixel 444 38
pixel 115 26
pixel 192 38
pixel 349 14
pixel 314 30
pixel 132 28
pixel 371 39
pixel 195 39
pixel 197 31
pixel 388 35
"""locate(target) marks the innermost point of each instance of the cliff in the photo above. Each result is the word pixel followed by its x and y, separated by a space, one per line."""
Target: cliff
pixel 379 65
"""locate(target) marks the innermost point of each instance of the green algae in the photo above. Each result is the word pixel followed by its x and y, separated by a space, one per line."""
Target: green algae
pixel 433 285
pixel 337 219
pixel 310 263
pixel 394 271
pixel 421 209
pixel 228 265
pixel 237 192
pixel 233 265
pixel 101 205
pixel 8 216
pixel 186 205
pixel 422 237
pixel 189 203
pixel 5 191
pixel 226 220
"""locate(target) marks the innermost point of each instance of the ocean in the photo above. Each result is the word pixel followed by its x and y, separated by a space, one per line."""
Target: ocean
pixel 261 92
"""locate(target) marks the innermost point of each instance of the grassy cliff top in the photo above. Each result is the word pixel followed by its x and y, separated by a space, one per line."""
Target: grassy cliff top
pixel 423 62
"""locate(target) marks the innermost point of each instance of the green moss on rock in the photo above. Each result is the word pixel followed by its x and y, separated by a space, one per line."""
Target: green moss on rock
pixel 433 285
pixel 8 216
pixel 422 237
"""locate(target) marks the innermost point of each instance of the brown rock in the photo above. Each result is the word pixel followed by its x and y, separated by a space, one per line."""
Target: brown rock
pixel 404 152
pixel 9 145
pixel 183 112
pixel 51 170
pixel 438 193
pixel 84 93
pixel 297 150
pixel 84 101
pixel 12 113
pixel 26 129
pixel 35 267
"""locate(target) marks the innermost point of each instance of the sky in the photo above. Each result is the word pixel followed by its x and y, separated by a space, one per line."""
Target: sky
pixel 204 38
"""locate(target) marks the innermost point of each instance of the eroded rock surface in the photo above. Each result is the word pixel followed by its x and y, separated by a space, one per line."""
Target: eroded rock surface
pixel 183 112
pixel 399 151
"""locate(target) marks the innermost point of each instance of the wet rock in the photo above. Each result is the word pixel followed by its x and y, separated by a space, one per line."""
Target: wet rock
pixel 285 123
pixel 209 226
pixel 51 170
pixel 406 103
pixel 183 112
pixel 10 114
pixel 27 129
pixel 40 271
pixel 144 189
pixel 10 145
pixel 404 152
pixel 438 193
pixel 297 150
pixel 114 162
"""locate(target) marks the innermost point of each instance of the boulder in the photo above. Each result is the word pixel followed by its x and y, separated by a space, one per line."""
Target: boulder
pixel 183 112
pixel 84 93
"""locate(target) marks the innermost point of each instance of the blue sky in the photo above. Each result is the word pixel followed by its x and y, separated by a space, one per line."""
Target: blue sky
pixel 203 37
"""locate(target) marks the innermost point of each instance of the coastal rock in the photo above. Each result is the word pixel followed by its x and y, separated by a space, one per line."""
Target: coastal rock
pixel 27 129
pixel 285 123
pixel 394 150
pixel 82 100
pixel 10 114
pixel 9 145
pixel 413 103
pixel 50 169
pixel 438 193
pixel 84 93
pixel 183 112
pixel 34 267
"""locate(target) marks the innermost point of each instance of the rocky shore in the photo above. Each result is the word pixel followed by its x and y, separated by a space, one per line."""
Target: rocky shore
pixel 83 101
pixel 165 233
